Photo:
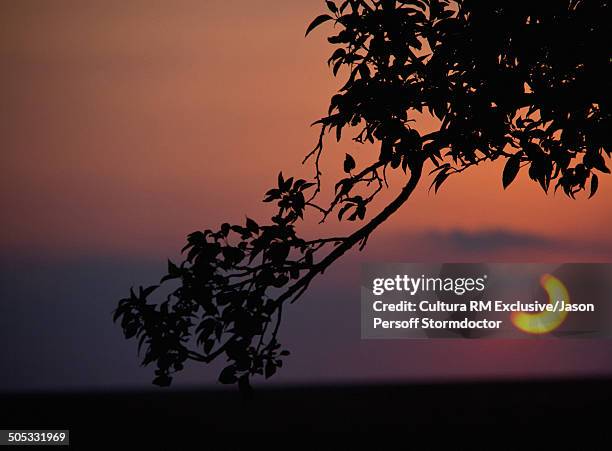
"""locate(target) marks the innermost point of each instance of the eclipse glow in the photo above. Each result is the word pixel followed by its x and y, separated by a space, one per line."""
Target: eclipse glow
pixel 546 321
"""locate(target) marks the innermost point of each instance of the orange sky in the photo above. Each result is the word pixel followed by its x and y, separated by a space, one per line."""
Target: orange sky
pixel 126 125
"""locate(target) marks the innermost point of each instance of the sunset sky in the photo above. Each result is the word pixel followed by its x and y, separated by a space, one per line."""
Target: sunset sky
pixel 127 125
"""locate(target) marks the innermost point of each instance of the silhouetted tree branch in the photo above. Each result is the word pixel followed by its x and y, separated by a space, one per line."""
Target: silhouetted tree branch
pixel 521 80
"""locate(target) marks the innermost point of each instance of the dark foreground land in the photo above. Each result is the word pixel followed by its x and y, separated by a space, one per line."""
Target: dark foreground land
pixel 171 419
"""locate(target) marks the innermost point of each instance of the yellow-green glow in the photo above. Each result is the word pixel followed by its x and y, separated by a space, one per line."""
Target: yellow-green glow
pixel 546 321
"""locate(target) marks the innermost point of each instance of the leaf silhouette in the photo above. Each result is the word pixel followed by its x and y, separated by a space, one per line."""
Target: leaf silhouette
pixel 511 170
pixel 318 21
pixel 349 163
pixel 594 185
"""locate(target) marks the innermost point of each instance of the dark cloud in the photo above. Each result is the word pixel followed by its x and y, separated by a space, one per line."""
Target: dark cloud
pixel 487 245
pixel 492 240
pixel 498 240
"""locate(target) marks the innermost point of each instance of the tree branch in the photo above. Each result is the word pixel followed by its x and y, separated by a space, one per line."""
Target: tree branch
pixel 361 234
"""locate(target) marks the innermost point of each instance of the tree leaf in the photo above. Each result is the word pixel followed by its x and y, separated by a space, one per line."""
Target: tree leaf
pixel 338 54
pixel 270 369
pixel 318 21
pixel 332 6
pixel 252 226
pixel 439 180
pixel 594 185
pixel 349 163
pixel 511 170
pixel 228 375
pixel 162 381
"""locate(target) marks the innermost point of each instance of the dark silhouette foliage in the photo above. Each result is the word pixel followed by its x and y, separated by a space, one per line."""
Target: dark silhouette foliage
pixel 525 81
